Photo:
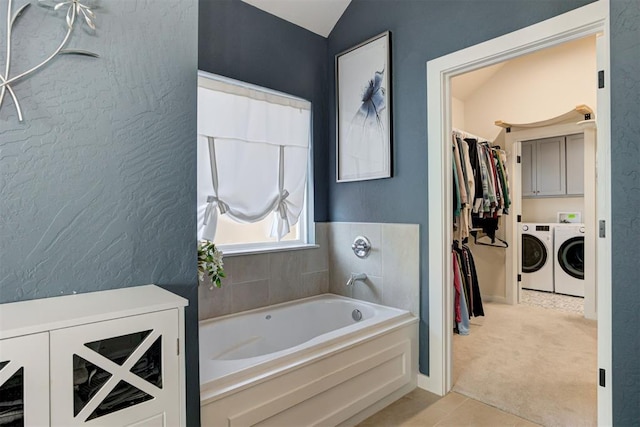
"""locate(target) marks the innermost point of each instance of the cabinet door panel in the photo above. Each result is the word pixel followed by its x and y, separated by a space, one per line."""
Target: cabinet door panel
pixel 528 162
pixel 24 380
pixel 550 177
pixel 116 372
pixel 575 164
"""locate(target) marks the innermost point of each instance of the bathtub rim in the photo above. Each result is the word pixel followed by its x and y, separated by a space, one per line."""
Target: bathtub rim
pixel 327 295
pixel 234 382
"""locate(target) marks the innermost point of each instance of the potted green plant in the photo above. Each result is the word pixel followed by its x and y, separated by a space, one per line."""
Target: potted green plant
pixel 210 263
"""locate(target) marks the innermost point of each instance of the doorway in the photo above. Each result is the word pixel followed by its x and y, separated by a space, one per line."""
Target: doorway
pixel 585 21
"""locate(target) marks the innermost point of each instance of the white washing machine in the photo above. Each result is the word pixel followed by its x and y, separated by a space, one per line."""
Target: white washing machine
pixel 537 256
pixel 569 259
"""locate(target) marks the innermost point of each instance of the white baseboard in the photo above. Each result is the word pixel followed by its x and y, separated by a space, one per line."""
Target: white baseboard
pixel 426 383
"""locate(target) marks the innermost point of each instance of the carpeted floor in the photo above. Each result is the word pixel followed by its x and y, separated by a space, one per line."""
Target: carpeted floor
pixel 534 362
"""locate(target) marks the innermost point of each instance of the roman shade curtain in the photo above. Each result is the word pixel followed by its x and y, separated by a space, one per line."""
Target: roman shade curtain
pixel 253 149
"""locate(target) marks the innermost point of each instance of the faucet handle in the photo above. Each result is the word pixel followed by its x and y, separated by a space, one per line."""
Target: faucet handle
pixel 361 246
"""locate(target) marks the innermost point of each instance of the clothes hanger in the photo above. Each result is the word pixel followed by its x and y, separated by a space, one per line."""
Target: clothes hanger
pixel 487 241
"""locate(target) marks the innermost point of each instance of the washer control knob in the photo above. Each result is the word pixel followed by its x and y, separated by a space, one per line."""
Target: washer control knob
pixel 582 229
pixel 525 228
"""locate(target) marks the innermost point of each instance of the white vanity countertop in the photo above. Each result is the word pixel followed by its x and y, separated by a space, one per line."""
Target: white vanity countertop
pixel 33 316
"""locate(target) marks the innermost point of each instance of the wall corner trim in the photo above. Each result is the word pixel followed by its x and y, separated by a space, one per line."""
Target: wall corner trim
pixel 428 384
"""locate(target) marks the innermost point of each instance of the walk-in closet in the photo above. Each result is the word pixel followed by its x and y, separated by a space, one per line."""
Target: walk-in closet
pixel 523 144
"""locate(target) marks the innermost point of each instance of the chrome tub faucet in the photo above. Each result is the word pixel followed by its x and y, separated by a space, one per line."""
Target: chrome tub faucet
pixel 355 277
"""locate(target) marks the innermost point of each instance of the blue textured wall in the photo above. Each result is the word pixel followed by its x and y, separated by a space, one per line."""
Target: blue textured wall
pixel 98 184
pixel 244 43
pixel 625 206
pixel 421 31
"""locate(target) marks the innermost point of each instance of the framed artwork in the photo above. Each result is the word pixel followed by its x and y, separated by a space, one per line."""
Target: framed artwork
pixel 363 111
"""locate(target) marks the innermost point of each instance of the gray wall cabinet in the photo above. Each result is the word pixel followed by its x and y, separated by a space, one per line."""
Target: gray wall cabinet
pixel 553 167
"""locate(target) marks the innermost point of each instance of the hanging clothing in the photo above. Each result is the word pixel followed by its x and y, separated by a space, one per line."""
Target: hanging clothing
pixel 467 298
pixel 476 307
pixel 464 187
pixel 481 186
pixel 460 305
pixel 457 200
pixel 480 198
pixel 457 287
pixel 463 326
pixel 474 160
pixel 469 279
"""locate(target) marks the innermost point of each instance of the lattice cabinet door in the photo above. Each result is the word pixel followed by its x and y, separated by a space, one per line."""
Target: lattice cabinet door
pixel 24 381
pixel 122 372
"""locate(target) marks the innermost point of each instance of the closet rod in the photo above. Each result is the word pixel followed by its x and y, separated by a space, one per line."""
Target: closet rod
pixel 469 135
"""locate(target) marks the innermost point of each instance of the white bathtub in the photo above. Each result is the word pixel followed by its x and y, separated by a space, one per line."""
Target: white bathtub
pixel 307 362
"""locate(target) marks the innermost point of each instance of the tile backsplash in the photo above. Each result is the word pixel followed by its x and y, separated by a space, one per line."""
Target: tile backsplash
pixel 392 269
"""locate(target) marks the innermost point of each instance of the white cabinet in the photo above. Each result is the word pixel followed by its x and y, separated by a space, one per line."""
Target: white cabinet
pixel 553 167
pixel 24 380
pixel 106 358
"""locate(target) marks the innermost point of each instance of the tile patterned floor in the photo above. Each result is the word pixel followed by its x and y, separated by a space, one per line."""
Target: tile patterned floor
pixel 424 409
pixel 553 301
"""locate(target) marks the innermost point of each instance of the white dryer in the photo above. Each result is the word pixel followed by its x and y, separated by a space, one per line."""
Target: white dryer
pixel 537 256
pixel 569 259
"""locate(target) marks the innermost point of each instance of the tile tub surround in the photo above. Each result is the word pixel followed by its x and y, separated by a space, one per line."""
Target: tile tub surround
pixel 259 280
pixel 392 267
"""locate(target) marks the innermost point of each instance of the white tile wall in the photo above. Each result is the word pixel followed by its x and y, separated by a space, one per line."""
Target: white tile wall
pixel 392 266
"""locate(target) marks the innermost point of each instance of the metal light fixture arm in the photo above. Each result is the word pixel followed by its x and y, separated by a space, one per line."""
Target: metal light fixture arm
pixel 75 8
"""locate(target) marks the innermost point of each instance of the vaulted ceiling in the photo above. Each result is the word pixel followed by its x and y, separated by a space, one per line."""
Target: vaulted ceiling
pixel 318 16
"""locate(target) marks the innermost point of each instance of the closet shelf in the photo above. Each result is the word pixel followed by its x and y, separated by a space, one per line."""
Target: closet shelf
pixel 581 112
pixel 465 134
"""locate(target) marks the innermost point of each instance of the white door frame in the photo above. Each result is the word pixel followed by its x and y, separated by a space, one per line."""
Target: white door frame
pixel 587 20
pixel 514 141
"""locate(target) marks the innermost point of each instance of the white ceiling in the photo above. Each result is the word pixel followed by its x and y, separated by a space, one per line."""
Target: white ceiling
pixel 319 16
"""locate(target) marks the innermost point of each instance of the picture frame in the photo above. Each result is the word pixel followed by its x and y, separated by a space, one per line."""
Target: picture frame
pixel 363 111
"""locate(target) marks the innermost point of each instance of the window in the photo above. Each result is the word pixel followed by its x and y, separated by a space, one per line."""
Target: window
pixel 253 166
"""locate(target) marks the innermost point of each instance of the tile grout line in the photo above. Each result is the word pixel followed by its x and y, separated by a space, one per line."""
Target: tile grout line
pixel 466 399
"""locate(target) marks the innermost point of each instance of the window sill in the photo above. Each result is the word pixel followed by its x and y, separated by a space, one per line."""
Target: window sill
pixel 230 252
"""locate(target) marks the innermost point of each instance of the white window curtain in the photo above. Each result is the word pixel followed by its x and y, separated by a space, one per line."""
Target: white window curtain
pixel 253 148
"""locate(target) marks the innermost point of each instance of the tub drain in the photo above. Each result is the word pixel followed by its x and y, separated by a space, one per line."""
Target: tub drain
pixel 357 315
